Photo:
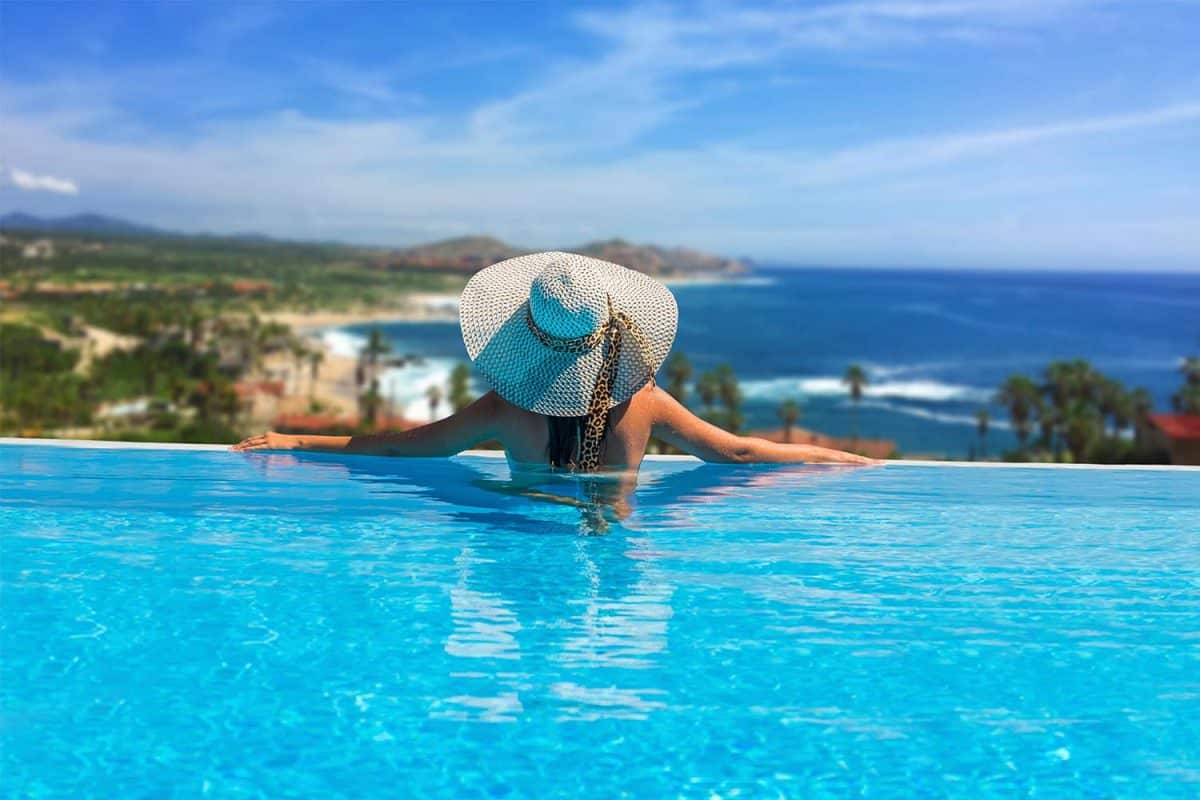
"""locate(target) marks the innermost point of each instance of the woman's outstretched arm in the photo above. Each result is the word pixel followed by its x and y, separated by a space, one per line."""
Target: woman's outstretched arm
pixel 476 423
pixel 681 428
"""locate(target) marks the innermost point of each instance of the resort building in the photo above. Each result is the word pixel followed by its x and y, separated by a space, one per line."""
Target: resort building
pixel 1179 434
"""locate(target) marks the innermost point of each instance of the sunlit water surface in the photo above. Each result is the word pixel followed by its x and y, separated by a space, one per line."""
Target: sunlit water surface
pixel 181 624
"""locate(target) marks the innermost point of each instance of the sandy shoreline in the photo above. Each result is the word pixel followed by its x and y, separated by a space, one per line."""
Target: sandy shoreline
pixel 336 389
pixel 416 308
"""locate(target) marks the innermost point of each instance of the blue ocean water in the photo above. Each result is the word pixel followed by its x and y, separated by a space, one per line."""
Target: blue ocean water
pixel 936 344
pixel 209 624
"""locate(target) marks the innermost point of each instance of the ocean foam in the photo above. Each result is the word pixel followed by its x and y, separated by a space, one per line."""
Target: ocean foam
pixel 343 343
pixel 404 387
pixel 967 420
pixel 929 391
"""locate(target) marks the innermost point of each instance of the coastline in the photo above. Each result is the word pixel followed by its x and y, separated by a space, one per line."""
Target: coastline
pixel 423 307
pixel 335 388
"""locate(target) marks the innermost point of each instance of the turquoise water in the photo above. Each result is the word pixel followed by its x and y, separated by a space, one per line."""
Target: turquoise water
pixel 180 624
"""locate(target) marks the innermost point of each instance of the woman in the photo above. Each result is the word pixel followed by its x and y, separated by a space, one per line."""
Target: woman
pixel 569 345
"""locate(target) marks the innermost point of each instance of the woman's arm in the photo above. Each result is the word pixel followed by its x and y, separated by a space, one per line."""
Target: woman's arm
pixel 681 428
pixel 476 423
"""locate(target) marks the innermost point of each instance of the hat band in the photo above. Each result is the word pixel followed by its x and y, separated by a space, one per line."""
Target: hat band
pixel 612 330
pixel 575 344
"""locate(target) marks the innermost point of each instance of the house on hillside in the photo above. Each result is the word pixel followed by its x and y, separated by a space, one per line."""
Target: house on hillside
pixel 1179 435
pixel 259 399
pixel 41 248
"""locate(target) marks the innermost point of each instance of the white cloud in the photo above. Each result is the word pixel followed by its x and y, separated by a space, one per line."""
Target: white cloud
pixel 548 163
pixel 41 183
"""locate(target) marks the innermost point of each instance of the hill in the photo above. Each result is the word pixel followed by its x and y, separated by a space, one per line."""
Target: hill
pixel 78 223
pixel 470 253
pixel 462 254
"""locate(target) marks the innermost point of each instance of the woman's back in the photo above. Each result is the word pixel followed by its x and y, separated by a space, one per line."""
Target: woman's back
pixel 526 435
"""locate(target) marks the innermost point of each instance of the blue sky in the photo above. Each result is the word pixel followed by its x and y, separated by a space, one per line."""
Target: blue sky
pixel 952 133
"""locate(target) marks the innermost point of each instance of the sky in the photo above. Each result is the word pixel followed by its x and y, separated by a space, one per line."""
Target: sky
pixel 1038 134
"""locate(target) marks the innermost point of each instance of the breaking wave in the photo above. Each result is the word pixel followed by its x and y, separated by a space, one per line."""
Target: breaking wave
pixel 967 420
pixel 928 391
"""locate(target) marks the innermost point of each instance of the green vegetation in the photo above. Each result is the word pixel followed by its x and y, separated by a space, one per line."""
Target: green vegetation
pixel 855 381
pixel 189 309
pixel 1081 415
pixel 187 394
pixel 459 392
pixel 679 372
pixel 134 285
pixel 982 419
pixel 1187 399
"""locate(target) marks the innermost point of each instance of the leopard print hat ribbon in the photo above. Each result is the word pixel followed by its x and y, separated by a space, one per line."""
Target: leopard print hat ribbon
pixel 610 335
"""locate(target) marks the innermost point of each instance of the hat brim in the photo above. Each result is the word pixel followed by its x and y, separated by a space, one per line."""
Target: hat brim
pixel 528 374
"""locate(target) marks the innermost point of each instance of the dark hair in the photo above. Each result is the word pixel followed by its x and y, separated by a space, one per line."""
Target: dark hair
pixel 565 435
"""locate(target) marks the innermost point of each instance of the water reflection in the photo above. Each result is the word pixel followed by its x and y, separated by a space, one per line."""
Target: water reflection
pixel 480 490
pixel 572 621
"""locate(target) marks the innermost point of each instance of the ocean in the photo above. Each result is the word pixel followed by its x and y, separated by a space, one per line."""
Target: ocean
pixel 936 344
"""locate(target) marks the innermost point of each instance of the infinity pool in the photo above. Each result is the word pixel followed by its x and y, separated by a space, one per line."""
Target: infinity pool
pixel 198 623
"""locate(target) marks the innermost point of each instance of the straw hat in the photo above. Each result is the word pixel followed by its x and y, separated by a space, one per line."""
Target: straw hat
pixel 536 328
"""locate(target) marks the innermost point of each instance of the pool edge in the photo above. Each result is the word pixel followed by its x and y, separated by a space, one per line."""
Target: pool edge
pixel 102 444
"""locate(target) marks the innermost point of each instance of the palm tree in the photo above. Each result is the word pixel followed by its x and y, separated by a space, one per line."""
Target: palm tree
pixel 855 380
pixel 982 418
pixel 1082 426
pixel 1072 380
pixel 789 412
pixel 377 346
pixel 1191 370
pixel 460 387
pixel 1187 399
pixel 1142 405
pixel 708 386
pixel 1020 395
pixel 369 404
pixel 679 372
pixel 1120 409
pixel 434 395
pixel 299 356
pixel 731 396
pixel 315 357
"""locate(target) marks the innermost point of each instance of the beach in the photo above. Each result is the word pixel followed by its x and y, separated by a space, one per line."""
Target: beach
pixel 335 389
pixel 417 307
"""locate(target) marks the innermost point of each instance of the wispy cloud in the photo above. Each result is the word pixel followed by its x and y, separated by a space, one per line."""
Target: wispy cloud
pixel 574 150
pixel 638 84
pixel 30 182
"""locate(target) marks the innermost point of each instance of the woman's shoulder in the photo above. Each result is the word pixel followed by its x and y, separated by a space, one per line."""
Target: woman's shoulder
pixel 651 402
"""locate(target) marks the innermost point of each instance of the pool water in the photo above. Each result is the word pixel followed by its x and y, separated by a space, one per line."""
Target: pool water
pixel 196 623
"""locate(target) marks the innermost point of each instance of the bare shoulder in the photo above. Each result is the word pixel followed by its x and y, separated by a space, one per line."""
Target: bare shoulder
pixel 658 404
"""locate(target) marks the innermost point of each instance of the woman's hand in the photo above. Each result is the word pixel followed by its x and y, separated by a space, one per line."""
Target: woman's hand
pixel 268 441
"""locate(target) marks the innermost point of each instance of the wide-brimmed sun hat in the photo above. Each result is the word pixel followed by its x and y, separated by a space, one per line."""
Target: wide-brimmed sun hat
pixel 564 334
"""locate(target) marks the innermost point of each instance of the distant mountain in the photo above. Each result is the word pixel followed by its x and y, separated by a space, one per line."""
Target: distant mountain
pixel 655 260
pixel 470 253
pixel 462 254
pixel 79 223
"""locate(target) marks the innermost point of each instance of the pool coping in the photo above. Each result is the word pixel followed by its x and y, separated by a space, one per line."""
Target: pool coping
pixel 101 444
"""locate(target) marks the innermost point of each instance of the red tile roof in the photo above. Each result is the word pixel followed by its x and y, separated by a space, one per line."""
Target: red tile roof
pixel 250 388
pixel 1177 426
